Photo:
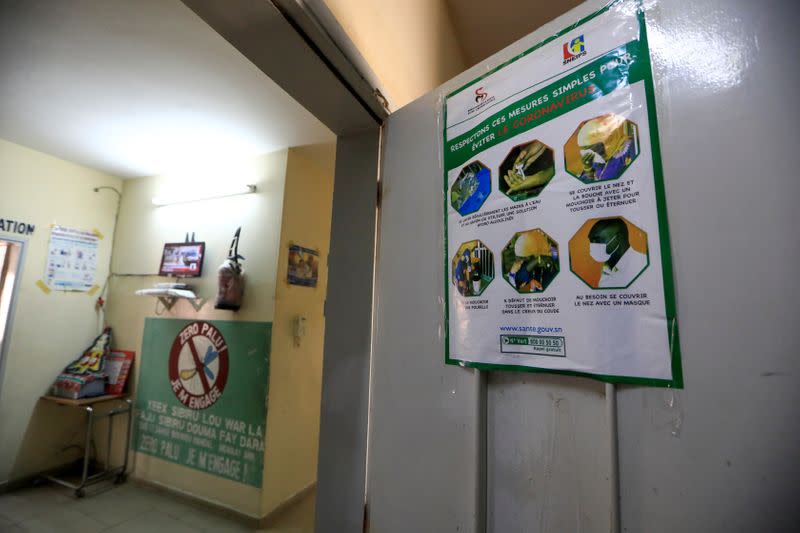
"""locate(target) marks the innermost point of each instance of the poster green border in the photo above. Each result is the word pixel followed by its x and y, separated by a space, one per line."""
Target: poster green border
pixel 663 229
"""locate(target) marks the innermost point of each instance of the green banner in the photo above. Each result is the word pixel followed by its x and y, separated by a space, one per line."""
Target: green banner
pixel 602 76
pixel 201 399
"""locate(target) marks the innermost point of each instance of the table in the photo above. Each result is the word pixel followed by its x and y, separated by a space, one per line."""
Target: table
pixel 88 406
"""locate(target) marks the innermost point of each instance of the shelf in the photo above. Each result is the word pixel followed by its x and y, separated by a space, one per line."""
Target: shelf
pixel 83 401
pixel 169 301
pixel 169 297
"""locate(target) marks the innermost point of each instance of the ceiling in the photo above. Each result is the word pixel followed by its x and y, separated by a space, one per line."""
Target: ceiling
pixel 137 88
pixel 486 28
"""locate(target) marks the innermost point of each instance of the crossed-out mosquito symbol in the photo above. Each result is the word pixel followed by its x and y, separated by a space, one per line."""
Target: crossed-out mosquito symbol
pixel 208 358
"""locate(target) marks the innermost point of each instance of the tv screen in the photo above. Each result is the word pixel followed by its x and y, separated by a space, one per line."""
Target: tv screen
pixel 182 259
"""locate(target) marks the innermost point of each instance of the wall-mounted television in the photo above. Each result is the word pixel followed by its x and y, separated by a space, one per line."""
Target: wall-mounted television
pixel 182 259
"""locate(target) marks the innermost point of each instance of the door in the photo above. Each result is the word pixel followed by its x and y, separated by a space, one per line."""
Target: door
pixel 451 449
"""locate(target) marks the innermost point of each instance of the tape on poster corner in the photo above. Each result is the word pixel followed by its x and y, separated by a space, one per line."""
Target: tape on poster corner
pixel 42 285
pixel 93 290
pixel 97 232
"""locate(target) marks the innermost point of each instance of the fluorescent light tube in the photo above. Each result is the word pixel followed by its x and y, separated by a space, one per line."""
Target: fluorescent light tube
pixel 195 196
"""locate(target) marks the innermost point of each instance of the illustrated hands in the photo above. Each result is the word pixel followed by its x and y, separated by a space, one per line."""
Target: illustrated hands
pixel 587 158
pixel 517 178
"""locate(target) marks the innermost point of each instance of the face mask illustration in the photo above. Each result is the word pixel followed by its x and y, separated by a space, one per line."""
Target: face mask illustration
pixel 598 250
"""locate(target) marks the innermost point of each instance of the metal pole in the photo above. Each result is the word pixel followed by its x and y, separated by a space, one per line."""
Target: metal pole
pixel 127 438
pixel 481 434
pixel 611 413
pixel 108 442
pixel 88 447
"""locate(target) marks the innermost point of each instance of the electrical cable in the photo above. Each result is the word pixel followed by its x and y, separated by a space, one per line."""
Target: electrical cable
pixel 103 290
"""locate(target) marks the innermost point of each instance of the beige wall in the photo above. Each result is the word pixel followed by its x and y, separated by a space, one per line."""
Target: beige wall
pixel 409 44
pixel 296 371
pixel 143 230
pixel 49 331
pixel 293 204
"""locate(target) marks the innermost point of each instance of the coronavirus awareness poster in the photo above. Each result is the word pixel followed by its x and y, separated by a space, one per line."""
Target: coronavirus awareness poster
pixel 201 399
pixel 557 245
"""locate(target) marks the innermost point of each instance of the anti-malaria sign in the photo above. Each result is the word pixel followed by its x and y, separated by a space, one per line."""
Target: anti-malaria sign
pixel 202 396
pixel 198 381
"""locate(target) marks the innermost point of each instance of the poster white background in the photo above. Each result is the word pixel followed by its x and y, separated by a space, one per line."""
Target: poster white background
pixel 71 259
pixel 539 68
pixel 617 340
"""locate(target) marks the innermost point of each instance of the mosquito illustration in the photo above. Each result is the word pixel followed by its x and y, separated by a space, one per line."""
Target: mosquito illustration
pixel 208 358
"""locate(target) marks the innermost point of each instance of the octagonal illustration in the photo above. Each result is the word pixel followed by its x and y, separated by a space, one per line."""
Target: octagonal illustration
pixel 530 261
pixel 472 268
pixel 601 148
pixel 471 188
pixel 526 170
pixel 608 253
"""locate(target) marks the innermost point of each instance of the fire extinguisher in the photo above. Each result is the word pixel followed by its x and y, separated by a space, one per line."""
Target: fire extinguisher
pixel 230 278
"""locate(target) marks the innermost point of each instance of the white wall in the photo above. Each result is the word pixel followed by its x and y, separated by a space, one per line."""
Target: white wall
pixel 49 330
pixel 719 456
pixel 727 117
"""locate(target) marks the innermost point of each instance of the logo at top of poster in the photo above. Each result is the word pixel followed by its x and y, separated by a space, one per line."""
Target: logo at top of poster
pixel 482 99
pixel 574 49
pixel 198 365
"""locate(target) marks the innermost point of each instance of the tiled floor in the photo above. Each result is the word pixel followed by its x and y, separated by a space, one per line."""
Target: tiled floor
pixel 128 508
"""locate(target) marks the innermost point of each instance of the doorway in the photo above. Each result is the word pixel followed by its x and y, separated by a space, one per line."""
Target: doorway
pixel 10 269
pixel 142 228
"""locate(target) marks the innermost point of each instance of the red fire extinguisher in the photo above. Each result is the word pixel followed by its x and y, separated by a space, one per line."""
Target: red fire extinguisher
pixel 230 278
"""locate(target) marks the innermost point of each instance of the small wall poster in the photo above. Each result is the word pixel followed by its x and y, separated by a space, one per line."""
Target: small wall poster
pixel 71 259
pixel 303 266
pixel 201 400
